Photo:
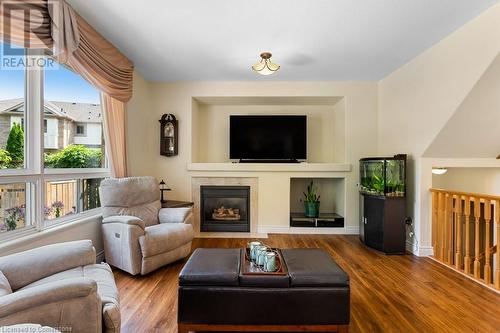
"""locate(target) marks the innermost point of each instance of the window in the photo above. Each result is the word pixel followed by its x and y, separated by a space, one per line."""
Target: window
pixel 72 106
pixel 80 129
pixel 12 113
pixel 64 198
pixel 35 192
pixel 13 202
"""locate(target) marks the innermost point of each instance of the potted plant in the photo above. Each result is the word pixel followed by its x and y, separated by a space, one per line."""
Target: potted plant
pixel 311 201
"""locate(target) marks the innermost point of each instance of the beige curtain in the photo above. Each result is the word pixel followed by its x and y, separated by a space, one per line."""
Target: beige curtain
pixel 101 63
pixel 64 31
pixel 114 134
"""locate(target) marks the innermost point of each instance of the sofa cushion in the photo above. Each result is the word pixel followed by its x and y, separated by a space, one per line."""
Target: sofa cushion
pixel 165 237
pixel 174 215
pixel 211 267
pixel 313 268
pixel 5 288
pixel 147 212
pixel 106 289
pixel 128 192
pixel 29 266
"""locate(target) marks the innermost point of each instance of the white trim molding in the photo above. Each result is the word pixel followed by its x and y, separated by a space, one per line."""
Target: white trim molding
pixel 419 251
pixel 278 229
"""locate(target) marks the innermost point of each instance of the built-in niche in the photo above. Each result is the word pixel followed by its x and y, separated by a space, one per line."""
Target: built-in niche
pixel 325 128
pixel 332 207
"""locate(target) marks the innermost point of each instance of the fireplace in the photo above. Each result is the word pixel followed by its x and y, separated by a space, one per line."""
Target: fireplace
pixel 225 208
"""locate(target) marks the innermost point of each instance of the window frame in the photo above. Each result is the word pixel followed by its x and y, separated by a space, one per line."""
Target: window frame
pixel 34 171
pixel 84 126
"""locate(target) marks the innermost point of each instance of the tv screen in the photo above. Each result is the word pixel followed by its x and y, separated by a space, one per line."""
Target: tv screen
pixel 268 137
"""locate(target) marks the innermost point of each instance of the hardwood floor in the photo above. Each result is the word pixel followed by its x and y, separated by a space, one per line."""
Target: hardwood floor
pixel 388 293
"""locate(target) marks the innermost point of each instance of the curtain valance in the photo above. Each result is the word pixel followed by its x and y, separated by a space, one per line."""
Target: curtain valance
pixel 52 24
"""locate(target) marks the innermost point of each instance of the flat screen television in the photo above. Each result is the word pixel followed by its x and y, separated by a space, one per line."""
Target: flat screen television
pixel 276 138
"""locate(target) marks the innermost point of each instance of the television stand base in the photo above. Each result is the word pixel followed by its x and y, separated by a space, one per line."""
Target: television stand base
pixel 269 161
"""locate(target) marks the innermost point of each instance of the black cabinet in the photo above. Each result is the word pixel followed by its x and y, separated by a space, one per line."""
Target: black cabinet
pixel 382 223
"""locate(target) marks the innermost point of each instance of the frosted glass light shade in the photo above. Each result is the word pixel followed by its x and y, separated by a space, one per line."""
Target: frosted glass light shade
pixel 265 66
pixel 439 171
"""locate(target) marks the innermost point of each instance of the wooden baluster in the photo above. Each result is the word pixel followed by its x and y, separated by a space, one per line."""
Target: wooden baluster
pixel 446 228
pixel 435 235
pixel 467 235
pixel 477 213
pixel 449 226
pixel 458 230
pixel 487 245
pixel 497 222
pixel 442 226
pixel 440 214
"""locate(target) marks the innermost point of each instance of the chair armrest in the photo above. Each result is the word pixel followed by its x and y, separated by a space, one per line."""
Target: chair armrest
pixel 25 267
pixel 125 219
pixel 174 215
pixel 34 297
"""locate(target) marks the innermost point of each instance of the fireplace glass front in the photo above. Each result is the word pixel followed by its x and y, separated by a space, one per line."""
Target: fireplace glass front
pixel 225 208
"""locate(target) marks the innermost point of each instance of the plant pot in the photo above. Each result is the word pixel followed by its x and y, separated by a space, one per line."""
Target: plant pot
pixel 311 209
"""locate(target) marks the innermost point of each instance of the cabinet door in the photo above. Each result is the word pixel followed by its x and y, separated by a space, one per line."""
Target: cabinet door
pixel 374 223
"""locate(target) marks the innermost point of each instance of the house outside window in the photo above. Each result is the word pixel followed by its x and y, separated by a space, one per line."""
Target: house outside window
pixel 80 130
pixel 38 193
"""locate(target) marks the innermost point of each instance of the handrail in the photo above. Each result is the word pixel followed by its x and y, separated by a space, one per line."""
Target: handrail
pixel 466 233
pixel 469 194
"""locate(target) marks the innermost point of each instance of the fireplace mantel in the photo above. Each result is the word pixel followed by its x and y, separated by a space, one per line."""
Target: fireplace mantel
pixel 270 167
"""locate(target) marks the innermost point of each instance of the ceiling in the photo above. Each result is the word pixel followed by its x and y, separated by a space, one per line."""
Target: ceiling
pixel 195 40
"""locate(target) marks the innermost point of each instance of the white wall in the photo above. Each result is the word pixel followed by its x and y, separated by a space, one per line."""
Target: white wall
pixel 474 129
pixel 325 130
pixel 417 100
pixel 476 180
pixel 359 103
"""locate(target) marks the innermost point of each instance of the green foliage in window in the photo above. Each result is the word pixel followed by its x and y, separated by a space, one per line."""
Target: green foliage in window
pixel 75 156
pixel 5 159
pixel 15 145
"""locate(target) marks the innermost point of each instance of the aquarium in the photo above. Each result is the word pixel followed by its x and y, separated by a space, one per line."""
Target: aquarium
pixel 383 176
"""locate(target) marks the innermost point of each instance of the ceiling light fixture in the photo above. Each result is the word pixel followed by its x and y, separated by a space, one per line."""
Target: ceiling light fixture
pixel 439 171
pixel 265 66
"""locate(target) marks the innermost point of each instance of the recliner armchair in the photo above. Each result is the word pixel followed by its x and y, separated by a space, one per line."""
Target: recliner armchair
pixel 140 236
pixel 59 286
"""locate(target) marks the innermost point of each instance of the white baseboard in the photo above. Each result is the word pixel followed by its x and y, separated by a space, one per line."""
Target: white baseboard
pixel 420 251
pixel 270 229
pixel 425 251
pixel 350 230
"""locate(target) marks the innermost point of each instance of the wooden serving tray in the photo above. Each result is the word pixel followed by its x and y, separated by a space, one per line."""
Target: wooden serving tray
pixel 249 268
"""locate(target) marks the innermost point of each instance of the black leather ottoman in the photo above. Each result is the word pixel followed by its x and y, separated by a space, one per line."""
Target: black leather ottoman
pixel 214 296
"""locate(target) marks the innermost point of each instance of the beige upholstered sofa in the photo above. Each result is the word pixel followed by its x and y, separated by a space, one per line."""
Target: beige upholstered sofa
pixel 139 235
pixel 59 286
